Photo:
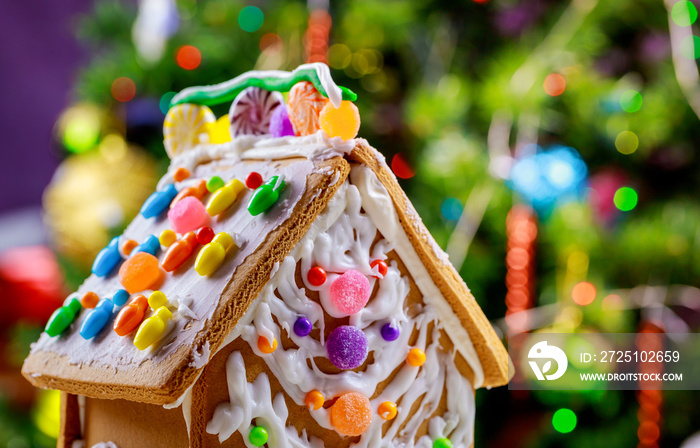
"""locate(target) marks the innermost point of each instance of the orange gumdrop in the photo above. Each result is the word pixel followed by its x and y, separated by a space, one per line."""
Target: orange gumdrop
pixel 139 272
pixel 351 414
pixel 343 122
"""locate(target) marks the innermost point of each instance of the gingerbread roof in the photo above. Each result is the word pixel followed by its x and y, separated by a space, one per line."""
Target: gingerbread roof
pixel 207 308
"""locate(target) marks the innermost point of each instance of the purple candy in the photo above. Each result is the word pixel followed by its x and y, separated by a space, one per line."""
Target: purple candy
pixel 390 333
pixel 280 125
pixel 302 327
pixel 347 347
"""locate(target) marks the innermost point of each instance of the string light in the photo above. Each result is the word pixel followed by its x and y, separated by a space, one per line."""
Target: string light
pixel 684 13
pixel 251 18
pixel 626 142
pixel 554 84
pixel 583 293
pixel 650 401
pixel 401 168
pixel 317 34
pixel 625 199
pixel 521 231
pixel 631 101
pixel 123 89
pixel 564 420
pixel 188 57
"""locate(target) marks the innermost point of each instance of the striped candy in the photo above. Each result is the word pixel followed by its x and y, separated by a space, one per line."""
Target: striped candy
pixel 251 111
pixel 186 126
pixel 303 106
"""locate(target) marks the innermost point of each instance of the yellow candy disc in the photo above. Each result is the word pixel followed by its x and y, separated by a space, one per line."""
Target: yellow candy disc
pixel 186 126
pixel 343 122
pixel 219 132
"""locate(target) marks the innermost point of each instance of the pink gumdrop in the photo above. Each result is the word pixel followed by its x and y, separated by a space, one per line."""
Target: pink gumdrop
pixel 187 214
pixel 350 292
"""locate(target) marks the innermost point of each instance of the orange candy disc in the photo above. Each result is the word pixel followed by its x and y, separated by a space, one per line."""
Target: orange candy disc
pixel 304 106
pixel 351 414
pixel 343 122
pixel 139 272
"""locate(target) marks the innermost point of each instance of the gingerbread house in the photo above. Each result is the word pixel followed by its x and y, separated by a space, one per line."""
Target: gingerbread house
pixel 278 289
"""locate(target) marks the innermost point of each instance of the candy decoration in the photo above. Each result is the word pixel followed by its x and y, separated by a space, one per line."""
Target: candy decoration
pixel 387 410
pixel 96 320
pixel 265 195
pixel 128 247
pixel 152 328
pixel 214 183
pixel 205 235
pixel 220 132
pixel 258 436
pixel 254 180
pixel 389 332
pixel 120 297
pixel 158 202
pixel 351 414
pixel 130 317
pixel 265 346
pixel 416 357
pixel 302 326
pixel 280 125
pixel 381 267
pixel 442 443
pixel 304 105
pixel 151 246
pixel 179 252
pixel 316 276
pixel 251 111
pixel 343 122
pixel 181 174
pixel 224 197
pixel 107 259
pixel 167 237
pixel 198 191
pixel 350 292
pixel 212 255
pixel 61 319
pixel 186 126
pixel 314 400
pixel 188 214
pixel 139 272
pixel 347 347
pixel 157 299
pixel 89 300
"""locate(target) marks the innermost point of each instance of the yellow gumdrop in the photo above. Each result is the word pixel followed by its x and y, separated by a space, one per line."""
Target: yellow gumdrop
pixel 220 131
pixel 167 237
pixel 152 328
pixel 157 299
pixel 343 122
pixel 209 258
pixel 225 240
pixel 224 197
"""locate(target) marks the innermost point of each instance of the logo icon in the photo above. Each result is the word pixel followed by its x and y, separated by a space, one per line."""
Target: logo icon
pixel 543 351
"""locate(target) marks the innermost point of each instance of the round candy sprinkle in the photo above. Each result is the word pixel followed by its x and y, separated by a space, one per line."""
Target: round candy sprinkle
pixel 304 105
pixel 157 299
pixel 186 126
pixel 258 436
pixel 187 215
pixel 139 272
pixel 381 266
pixel 265 346
pixel 215 183
pixel 351 414
pixel 254 180
pixel 302 326
pixel 387 410
pixel 280 126
pixel 120 297
pixel 442 442
pixel 343 122
pixel 89 300
pixel 167 237
pixel 390 333
pixel 181 174
pixel 314 400
pixel 350 292
pixel 347 347
pixel 316 276
pixel 251 111
pixel 128 247
pixel 205 235
pixel 416 357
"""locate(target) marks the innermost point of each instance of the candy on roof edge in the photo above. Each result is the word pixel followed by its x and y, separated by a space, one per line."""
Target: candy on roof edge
pixel 275 80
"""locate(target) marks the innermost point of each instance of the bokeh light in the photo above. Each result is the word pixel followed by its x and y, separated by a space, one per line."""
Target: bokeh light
pixel 339 56
pixel 612 302
pixel 583 293
pixel 451 209
pixel 250 18
pixel 81 129
pixel 270 42
pixel 631 101
pixel 554 84
pixel 625 199
pixel 47 411
pixel 401 168
pixel 123 89
pixel 164 102
pixel 690 47
pixel 684 13
pixel 188 57
pixel 564 420
pixel 626 142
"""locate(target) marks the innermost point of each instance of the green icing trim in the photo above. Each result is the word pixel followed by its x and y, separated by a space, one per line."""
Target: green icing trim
pixel 228 92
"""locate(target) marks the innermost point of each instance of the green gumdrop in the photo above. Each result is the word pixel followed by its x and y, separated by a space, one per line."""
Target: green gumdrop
pixel 442 443
pixel 61 319
pixel 258 436
pixel 272 181
pixel 263 198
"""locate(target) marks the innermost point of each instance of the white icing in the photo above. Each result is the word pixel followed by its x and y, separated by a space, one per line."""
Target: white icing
pixel 81 412
pixel 105 445
pixel 335 95
pixel 200 358
pixel 78 444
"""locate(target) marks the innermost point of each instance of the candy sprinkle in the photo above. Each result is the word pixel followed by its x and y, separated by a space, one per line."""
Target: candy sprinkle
pixel 416 357
pixel 258 436
pixel 265 346
pixel 314 400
